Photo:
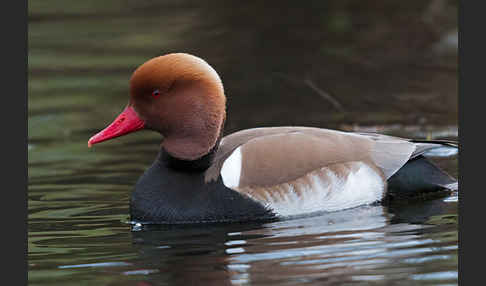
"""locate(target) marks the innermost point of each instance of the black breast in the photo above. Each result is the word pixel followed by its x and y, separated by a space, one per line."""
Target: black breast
pixel 174 191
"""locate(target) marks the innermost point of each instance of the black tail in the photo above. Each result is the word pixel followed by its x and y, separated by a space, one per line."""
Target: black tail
pixel 419 178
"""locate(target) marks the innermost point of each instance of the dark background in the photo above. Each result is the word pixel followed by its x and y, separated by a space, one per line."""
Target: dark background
pixel 318 63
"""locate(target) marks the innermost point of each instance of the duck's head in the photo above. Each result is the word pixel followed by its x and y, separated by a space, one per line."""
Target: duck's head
pixel 181 97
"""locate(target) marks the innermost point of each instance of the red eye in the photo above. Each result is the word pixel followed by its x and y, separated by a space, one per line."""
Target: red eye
pixel 156 93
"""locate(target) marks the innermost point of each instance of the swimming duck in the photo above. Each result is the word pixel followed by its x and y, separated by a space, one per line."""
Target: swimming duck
pixel 259 173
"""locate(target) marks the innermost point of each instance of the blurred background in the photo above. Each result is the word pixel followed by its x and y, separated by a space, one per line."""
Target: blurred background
pixel 384 66
pixel 319 63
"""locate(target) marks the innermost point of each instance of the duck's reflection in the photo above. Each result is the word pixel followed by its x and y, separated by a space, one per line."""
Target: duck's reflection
pixel 339 245
pixel 190 254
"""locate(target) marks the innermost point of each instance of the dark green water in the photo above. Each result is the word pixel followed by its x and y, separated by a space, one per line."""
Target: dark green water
pixel 387 66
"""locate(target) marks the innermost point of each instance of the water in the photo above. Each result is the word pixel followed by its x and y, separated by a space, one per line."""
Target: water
pixel 348 66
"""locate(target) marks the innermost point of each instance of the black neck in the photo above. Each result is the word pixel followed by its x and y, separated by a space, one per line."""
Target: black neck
pixel 197 165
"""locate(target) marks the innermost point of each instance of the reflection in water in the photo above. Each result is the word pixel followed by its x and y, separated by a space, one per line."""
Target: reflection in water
pixel 351 245
pixel 384 66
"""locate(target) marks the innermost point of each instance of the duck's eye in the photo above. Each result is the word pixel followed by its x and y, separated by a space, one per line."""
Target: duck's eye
pixel 156 93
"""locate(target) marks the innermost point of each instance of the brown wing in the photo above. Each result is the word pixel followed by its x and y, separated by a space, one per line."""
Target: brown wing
pixel 270 156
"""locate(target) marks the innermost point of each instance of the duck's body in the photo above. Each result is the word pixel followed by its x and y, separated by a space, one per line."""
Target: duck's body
pixel 297 176
pixel 253 174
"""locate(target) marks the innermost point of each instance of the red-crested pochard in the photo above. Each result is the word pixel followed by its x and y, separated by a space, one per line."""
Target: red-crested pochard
pixel 254 174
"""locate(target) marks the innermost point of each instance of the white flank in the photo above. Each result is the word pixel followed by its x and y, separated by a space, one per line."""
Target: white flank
pixel 321 190
pixel 231 170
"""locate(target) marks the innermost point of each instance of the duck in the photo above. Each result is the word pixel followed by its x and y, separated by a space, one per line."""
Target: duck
pixel 262 173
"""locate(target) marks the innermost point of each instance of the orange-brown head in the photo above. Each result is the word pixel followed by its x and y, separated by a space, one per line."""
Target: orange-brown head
pixel 179 95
